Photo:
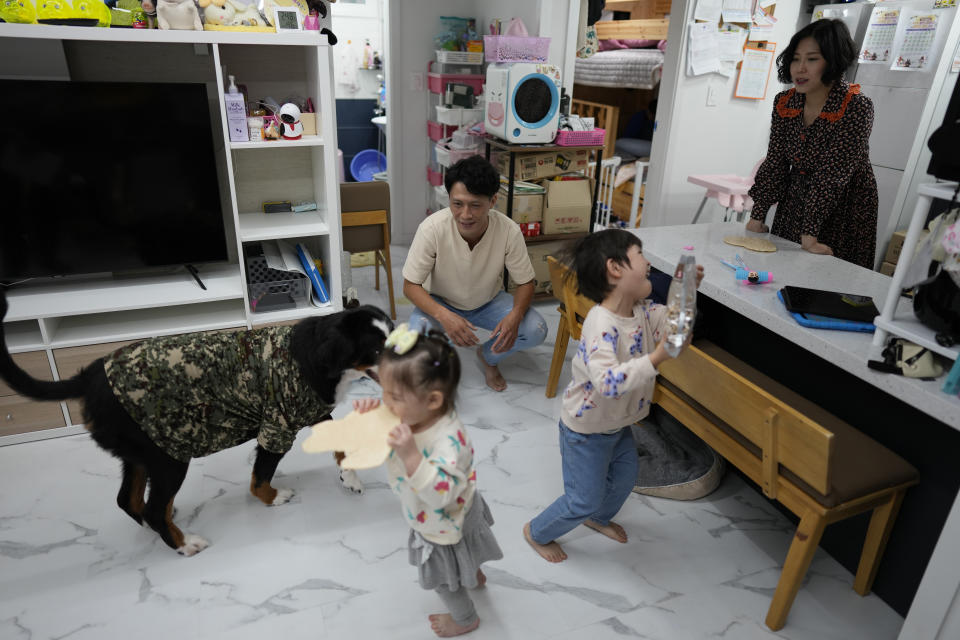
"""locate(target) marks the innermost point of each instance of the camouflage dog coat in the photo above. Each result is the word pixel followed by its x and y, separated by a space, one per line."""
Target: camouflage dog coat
pixel 200 393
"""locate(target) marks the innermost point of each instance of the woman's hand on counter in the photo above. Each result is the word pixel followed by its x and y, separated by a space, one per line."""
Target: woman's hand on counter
pixel 809 243
pixel 757 226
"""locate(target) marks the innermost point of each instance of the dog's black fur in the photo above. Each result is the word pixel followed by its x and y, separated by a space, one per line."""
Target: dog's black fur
pixel 323 347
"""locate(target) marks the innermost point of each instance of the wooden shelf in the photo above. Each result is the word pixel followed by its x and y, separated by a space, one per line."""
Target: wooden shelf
pixel 267 226
pixel 497 143
pixel 58 32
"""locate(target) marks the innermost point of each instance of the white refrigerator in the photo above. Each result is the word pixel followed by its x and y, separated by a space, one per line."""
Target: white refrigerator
pixel 899 91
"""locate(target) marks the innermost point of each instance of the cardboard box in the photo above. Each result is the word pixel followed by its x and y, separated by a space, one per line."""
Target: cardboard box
pixel 527 207
pixel 886 268
pixel 538 256
pixel 896 245
pixel 566 206
pixel 531 166
pixel 309 122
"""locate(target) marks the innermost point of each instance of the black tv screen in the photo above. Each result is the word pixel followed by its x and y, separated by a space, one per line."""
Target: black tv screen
pixel 106 177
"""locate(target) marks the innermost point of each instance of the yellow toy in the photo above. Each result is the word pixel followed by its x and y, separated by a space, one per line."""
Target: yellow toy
pixel 54 11
pixel 92 10
pixel 18 11
pixel 362 436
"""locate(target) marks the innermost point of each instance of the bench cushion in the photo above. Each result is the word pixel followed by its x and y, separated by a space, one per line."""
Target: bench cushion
pixel 860 465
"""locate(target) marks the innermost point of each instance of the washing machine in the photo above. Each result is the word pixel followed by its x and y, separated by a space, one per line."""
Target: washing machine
pixel 522 102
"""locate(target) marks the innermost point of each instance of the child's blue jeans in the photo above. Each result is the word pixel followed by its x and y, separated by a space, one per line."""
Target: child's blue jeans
pixel 599 472
pixel 531 332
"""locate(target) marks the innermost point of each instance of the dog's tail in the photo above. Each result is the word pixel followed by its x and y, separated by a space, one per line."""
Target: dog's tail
pixel 21 381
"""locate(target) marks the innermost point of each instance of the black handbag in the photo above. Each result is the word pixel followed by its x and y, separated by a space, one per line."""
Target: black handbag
pixel 936 304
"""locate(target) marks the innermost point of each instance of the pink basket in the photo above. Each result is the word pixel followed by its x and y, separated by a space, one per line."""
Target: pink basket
pixel 437 82
pixel 437 131
pixel 580 138
pixel 435 178
pixel 516 48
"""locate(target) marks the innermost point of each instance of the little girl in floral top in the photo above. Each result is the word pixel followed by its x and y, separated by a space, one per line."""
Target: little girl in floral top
pixel 431 470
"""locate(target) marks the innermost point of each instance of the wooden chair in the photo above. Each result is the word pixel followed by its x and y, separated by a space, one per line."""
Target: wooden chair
pixel 819 467
pixel 365 222
pixel 573 309
pixel 605 116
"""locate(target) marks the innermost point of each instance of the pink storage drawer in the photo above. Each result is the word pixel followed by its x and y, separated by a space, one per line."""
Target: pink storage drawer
pixel 437 82
pixel 435 178
pixel 580 138
pixel 437 131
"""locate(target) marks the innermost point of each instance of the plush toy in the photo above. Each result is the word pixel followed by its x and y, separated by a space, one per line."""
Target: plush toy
pixel 362 436
pixel 92 10
pixel 18 11
pixel 246 14
pixel 178 14
pixel 217 14
pixel 54 11
pixel 149 8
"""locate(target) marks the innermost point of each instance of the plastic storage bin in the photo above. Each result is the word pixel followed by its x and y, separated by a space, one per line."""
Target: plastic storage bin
pixel 437 131
pixel 447 156
pixel 516 48
pixel 462 139
pixel 435 178
pixel 274 290
pixel 458 116
pixel 459 57
pixel 580 138
pixel 437 82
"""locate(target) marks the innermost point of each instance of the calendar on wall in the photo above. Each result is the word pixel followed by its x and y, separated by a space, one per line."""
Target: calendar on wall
pixel 914 42
pixel 878 40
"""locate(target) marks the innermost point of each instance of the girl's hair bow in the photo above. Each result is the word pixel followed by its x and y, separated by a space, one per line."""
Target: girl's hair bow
pixel 402 339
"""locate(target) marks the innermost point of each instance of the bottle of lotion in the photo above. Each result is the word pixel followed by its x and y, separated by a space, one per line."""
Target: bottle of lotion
pixel 236 108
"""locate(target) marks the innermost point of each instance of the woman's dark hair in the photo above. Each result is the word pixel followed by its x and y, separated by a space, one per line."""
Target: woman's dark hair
pixel 836 46
pixel 431 364
pixel 590 256
pixel 477 175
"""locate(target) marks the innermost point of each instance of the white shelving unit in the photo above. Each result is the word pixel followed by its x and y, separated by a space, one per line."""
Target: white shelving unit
pixel 54 319
pixel 906 325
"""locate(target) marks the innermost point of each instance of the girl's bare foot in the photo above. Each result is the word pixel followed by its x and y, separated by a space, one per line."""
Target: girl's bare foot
pixel 444 626
pixel 481 579
pixel 491 373
pixel 612 530
pixel 551 551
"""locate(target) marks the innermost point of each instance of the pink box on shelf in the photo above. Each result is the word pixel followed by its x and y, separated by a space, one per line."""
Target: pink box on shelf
pixel 435 178
pixel 516 48
pixel 437 131
pixel 437 82
pixel 580 138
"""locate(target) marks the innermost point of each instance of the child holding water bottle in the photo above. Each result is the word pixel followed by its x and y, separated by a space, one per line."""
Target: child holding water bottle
pixel 621 345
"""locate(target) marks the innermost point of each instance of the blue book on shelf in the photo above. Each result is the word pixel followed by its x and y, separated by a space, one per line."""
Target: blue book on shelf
pixel 308 265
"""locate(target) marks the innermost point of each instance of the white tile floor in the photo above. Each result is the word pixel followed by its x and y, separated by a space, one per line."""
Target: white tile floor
pixel 331 565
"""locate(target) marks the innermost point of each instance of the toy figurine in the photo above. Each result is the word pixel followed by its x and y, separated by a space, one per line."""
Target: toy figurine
pixel 150 12
pixel 20 11
pixel 178 14
pixel 291 127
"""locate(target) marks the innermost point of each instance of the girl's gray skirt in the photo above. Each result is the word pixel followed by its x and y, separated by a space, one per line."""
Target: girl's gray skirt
pixel 456 565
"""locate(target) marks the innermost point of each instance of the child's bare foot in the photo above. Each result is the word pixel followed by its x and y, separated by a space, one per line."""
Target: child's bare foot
pixel 551 551
pixel 612 530
pixel 492 374
pixel 444 626
pixel 481 579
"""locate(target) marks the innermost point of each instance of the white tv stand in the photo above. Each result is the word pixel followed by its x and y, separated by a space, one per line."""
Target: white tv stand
pixel 56 326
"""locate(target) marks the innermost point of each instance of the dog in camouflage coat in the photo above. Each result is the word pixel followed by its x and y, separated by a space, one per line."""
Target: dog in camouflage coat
pixel 157 403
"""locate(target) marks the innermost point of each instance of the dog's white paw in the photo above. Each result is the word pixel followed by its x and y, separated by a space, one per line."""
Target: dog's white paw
pixel 283 497
pixel 192 545
pixel 350 481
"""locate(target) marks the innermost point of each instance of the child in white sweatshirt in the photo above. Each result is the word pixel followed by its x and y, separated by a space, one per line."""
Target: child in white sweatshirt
pixel 614 370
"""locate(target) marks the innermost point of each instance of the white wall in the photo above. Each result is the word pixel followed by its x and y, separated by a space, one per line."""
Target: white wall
pixel 354 24
pixel 411 26
pixel 693 138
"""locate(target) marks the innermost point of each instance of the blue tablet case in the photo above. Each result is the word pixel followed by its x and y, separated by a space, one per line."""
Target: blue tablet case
pixel 822 322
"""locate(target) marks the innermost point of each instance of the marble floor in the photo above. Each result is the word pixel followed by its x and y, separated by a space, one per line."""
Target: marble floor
pixel 332 565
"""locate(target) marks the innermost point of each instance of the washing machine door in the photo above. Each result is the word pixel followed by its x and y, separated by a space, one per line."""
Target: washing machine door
pixel 535 100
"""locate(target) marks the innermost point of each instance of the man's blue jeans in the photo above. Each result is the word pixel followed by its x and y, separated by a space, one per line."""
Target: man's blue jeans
pixel 531 332
pixel 599 472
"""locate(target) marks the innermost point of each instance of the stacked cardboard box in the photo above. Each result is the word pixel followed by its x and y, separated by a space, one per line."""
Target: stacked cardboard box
pixel 893 251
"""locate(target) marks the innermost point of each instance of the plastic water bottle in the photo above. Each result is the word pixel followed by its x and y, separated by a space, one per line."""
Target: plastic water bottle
pixel 681 302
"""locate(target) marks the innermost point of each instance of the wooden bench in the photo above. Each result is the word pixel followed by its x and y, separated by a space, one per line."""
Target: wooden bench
pixel 819 467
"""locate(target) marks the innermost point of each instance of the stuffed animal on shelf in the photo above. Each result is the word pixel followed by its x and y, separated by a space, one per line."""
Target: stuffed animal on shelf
pixel 217 14
pixel 178 14
pixel 92 10
pixel 149 8
pixel 54 11
pixel 246 14
pixel 18 11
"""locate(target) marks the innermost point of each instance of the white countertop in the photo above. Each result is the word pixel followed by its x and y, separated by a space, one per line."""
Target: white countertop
pixel 790 265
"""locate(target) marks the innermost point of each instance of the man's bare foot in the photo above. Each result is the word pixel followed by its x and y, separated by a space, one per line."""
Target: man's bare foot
pixel 444 626
pixel 612 530
pixel 494 380
pixel 551 551
pixel 481 579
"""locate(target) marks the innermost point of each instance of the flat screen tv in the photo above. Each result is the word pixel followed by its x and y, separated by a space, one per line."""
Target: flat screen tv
pixel 106 177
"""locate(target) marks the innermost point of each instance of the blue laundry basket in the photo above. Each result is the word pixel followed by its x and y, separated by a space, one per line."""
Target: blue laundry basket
pixel 366 163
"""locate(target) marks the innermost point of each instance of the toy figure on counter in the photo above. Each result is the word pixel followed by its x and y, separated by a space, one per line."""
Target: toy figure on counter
pixel 290 126
pixel 178 14
pixel 18 11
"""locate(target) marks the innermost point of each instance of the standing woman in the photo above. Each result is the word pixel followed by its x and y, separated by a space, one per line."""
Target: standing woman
pixel 818 164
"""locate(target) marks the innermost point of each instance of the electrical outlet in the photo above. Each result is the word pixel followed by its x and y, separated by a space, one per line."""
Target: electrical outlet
pixel 416 81
pixel 712 94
